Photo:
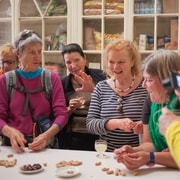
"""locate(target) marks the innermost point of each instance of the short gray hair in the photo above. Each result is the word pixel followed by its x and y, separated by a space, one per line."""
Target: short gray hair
pixel 26 37
pixel 161 62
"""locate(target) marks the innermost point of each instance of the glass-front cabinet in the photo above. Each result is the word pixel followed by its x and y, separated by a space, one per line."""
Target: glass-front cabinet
pixel 49 19
pixel 102 21
pixel 6 21
pixel 153 24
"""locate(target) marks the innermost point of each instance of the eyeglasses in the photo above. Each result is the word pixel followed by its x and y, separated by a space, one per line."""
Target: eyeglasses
pixel 120 106
pixel 9 62
pixel 25 34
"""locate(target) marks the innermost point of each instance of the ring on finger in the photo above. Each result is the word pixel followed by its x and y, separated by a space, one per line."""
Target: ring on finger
pixel 71 106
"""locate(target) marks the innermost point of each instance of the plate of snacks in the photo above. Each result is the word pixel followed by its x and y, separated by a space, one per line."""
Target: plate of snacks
pixel 31 168
pixel 67 171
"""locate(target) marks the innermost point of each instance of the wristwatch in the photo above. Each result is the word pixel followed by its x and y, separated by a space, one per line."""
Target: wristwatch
pixel 152 159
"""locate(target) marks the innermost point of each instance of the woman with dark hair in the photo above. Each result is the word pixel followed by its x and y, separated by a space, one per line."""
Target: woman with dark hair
pixel 78 86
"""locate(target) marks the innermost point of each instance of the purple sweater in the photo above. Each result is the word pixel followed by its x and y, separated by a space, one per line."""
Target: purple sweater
pixel 38 101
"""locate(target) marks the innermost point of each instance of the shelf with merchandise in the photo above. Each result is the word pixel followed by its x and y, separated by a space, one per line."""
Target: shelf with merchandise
pixel 102 22
pixel 6 21
pixel 49 19
pixel 155 29
pixel 5 9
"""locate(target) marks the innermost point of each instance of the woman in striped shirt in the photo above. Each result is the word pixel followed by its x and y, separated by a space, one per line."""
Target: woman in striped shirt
pixel 116 104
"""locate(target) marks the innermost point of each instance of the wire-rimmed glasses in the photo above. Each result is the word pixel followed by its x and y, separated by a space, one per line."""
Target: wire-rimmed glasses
pixel 8 62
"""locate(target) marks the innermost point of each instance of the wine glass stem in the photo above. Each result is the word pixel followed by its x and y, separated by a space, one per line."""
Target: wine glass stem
pixel 101 155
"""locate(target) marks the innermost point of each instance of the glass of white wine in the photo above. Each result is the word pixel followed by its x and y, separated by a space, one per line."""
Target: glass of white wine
pixel 100 147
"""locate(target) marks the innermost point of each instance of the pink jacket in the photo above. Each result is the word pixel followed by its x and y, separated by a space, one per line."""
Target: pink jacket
pixel 38 101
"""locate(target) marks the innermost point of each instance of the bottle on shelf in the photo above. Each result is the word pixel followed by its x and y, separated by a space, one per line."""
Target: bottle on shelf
pixel 136 8
pixel 159 7
pixel 142 8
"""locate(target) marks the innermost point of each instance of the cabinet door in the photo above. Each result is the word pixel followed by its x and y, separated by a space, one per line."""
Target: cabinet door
pixel 155 24
pixel 102 21
pixel 6 21
pixel 49 19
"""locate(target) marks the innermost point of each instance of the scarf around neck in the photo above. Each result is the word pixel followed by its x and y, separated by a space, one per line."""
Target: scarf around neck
pixel 159 140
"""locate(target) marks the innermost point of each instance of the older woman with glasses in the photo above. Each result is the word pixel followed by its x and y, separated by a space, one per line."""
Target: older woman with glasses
pixel 8 58
pixel 116 104
pixel 29 105
pixel 154 149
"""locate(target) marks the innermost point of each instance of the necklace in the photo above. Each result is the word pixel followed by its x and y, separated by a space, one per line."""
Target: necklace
pixel 125 90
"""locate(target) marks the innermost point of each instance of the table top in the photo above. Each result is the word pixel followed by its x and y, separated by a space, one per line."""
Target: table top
pixel 88 170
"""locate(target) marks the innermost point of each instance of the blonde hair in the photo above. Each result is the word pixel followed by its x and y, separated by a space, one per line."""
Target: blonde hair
pixel 8 49
pixel 131 48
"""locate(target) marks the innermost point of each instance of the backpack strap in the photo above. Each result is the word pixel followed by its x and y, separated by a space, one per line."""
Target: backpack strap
pixel 47 86
pixel 10 83
pixel 46 83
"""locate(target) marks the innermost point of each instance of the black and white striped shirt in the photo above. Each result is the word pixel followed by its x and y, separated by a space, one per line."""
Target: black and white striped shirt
pixel 104 106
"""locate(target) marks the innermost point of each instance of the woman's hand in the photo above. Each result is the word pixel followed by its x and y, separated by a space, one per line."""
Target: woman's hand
pixel 86 81
pixel 75 103
pixel 38 143
pixel 166 119
pixel 125 124
pixel 120 152
pixel 17 139
pixel 138 127
pixel 135 160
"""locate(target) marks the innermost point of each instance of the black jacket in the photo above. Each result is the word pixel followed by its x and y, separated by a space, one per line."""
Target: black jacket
pixel 96 74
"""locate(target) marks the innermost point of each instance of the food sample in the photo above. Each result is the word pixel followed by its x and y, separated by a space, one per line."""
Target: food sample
pixel 70 171
pixel 30 167
pixel 10 155
pixel 68 163
pixel 110 172
pixel 105 169
pixel 7 163
pixel 98 163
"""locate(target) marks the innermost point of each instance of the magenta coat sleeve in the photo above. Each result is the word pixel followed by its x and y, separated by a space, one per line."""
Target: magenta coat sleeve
pixel 58 101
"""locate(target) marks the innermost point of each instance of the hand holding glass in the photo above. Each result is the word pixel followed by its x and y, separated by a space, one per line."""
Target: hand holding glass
pixel 100 147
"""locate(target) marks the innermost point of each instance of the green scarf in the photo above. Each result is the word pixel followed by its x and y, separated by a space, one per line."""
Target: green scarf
pixel 158 140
